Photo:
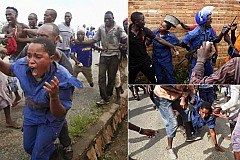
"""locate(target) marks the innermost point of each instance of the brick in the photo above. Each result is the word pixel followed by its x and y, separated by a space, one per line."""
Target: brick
pixel 91 154
pixel 99 146
pixel 185 11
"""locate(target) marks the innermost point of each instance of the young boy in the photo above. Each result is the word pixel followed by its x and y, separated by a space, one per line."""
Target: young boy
pixel 83 61
pixel 48 90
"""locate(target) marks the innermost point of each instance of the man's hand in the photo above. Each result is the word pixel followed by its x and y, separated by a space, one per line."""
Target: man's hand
pixel 52 89
pixel 204 52
pixel 226 29
pixel 217 110
pixel 234 26
pixel 148 132
pixel 3 50
pixel 218 148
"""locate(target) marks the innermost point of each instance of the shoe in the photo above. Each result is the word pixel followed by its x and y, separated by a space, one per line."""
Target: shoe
pixel 102 102
pixel 193 138
pixel 91 84
pixel 68 149
pixel 68 152
pixel 172 155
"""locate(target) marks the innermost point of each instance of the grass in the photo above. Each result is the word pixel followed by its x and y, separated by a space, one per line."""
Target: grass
pixel 106 156
pixel 80 123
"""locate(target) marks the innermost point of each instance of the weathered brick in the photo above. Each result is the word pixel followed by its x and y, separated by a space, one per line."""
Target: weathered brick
pixel 99 146
pixel 91 154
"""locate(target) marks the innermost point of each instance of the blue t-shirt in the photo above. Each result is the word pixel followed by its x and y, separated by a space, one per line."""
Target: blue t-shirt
pixel 84 54
pixel 197 120
pixel 34 91
pixel 162 53
pixel 195 37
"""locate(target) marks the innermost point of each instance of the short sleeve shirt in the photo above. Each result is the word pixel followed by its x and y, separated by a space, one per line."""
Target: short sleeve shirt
pixel 66 33
pixel 137 48
pixel 195 37
pixel 110 40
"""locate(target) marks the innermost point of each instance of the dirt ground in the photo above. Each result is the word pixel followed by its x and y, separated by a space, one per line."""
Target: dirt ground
pixel 118 149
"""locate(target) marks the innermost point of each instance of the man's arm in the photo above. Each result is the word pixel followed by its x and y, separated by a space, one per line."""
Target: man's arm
pixel 213 136
pixel 233 36
pixel 223 75
pixel 5 68
pixel 74 58
pixel 234 98
pixel 88 42
pixel 184 26
pixel 149 132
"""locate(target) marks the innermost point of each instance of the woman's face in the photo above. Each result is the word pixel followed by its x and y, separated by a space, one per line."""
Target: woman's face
pixel 38 60
pixel 163 27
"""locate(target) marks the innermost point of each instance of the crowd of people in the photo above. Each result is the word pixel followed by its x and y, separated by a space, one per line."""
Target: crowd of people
pixel 40 60
pixel 189 108
pixel 173 100
pixel 159 67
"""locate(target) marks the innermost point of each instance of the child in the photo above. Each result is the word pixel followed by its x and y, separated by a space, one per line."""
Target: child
pixel 83 61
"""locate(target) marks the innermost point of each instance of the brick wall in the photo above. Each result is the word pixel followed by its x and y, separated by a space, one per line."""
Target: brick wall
pixel 185 10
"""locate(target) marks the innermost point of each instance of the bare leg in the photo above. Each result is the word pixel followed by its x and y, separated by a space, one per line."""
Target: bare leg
pixel 170 140
pixel 9 121
pixel 17 99
pixel 237 155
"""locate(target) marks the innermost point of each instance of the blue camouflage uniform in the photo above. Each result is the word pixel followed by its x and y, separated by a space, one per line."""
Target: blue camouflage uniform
pixel 40 127
pixel 162 57
pixel 195 39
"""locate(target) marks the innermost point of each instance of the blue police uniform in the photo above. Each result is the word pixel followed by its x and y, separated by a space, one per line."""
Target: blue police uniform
pixel 195 38
pixel 162 57
pixel 40 127
pixel 197 121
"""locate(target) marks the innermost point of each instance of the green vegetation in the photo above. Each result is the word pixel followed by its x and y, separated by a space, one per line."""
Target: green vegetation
pixel 106 156
pixel 181 74
pixel 80 123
